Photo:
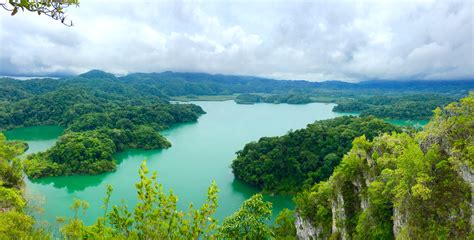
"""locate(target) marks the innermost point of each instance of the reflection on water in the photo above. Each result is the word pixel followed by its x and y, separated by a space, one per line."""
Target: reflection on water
pixel 38 133
pixel 39 138
pixel 417 124
pixel 71 183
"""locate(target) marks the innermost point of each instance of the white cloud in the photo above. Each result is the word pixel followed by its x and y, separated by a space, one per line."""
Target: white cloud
pixel 313 40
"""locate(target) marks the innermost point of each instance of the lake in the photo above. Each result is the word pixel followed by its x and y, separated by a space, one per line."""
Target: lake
pixel 201 152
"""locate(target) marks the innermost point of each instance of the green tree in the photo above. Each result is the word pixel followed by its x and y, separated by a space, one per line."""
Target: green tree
pixel 154 217
pixel 249 222
pixel 401 185
pixel 14 222
pixel 284 227
pixel 303 157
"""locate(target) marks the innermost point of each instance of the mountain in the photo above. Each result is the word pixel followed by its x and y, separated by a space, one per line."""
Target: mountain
pixel 97 74
pixel 186 84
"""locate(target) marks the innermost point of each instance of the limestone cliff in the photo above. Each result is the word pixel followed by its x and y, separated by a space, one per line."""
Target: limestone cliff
pixel 399 186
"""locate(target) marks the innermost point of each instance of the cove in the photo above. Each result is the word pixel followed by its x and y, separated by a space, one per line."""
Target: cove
pixel 201 152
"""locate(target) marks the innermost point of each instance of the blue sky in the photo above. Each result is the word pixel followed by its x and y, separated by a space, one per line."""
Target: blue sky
pixel 311 40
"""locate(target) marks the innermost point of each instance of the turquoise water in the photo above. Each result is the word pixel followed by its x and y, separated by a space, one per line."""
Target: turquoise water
pixel 413 123
pixel 201 152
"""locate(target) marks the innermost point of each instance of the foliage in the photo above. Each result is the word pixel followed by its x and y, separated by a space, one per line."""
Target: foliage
pixel 74 153
pixel 412 106
pixel 18 225
pixel 402 186
pixel 200 84
pixel 154 217
pixel 100 120
pixel 51 8
pixel 249 221
pixel 11 175
pixel 284 227
pixel 14 223
pixel 303 157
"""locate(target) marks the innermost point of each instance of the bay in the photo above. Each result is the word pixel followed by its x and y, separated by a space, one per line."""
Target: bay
pixel 201 153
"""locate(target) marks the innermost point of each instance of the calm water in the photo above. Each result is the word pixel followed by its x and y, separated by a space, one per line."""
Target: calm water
pixel 414 123
pixel 201 152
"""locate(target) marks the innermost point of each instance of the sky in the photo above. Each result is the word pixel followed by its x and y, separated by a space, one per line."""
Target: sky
pixel 309 40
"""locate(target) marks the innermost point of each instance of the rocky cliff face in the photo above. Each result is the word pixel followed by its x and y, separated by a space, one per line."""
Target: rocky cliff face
pixel 305 230
pixel 467 174
pixel 401 186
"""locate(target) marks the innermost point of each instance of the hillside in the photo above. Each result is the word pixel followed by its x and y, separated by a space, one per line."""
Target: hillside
pixel 399 185
pixel 288 163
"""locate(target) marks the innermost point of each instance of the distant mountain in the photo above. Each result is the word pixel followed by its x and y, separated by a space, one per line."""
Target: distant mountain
pixel 266 84
pixel 97 74
pixel 187 84
pixel 419 85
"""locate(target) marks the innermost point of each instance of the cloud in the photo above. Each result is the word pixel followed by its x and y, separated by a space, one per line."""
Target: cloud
pixel 312 40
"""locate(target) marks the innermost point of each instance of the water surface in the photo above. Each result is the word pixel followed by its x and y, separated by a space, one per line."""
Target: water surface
pixel 201 152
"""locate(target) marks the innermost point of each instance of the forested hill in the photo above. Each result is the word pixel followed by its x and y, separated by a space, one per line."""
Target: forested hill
pixel 182 84
pixel 306 156
pixel 101 115
pixel 227 84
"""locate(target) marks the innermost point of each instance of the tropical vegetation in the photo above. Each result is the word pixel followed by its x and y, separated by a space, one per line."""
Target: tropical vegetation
pixel 401 185
pixel 289 163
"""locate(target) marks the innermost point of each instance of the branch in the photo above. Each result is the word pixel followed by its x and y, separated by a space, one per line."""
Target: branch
pixel 54 9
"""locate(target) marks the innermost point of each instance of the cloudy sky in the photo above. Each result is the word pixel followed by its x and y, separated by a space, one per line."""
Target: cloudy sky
pixel 311 40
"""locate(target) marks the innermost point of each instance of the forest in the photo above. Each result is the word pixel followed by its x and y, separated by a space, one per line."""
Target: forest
pixel 129 111
pixel 99 122
pixel 289 163
pixel 405 106
pixel 361 97
pixel 399 185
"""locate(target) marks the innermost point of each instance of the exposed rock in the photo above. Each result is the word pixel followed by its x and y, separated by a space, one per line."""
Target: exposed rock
pixel 338 216
pixel 305 230
pixel 466 173
pixel 399 221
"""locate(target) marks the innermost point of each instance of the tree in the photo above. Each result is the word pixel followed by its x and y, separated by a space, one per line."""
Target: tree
pixel 154 217
pixel 303 157
pixel 249 222
pixel 14 222
pixel 51 8
pixel 284 227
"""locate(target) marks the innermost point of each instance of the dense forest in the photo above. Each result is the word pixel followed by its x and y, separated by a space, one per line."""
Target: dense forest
pixel 169 85
pixel 405 106
pixel 93 135
pixel 303 157
pixel 399 185
pixel 129 111
pixel 99 119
